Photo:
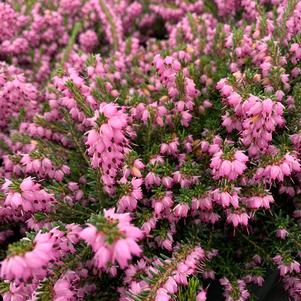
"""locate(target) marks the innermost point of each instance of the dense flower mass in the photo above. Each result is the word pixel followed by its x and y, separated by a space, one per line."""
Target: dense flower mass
pixel 149 150
pixel 112 238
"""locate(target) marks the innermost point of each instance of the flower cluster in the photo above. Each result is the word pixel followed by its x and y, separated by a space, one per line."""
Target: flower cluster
pixel 112 238
pixel 108 144
pixel 27 196
pixel 230 169
pixel 149 148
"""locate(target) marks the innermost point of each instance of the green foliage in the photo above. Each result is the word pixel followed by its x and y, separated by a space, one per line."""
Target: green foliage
pixel 189 293
pixel 80 99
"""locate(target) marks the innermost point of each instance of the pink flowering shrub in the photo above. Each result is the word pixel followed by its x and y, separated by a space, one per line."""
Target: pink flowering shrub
pixel 149 150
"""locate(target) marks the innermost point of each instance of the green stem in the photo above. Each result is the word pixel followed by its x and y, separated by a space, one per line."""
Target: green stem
pixel 180 256
pixel 297 244
pixel 76 139
pixel 261 250
pixel 78 143
pixel 112 24
pixel 77 27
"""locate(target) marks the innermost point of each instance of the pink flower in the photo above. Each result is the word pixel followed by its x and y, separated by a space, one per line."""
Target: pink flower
pixel 31 263
pixel 31 197
pixel 225 198
pixel 134 193
pixel 107 142
pixel 230 169
pixel 256 202
pixel 286 166
pixel 120 247
pixel 171 285
pixel 162 295
pixel 282 233
pixel 170 148
pixel 151 179
pixel 238 218
pixel 88 40
pixel 202 296
pixel 181 210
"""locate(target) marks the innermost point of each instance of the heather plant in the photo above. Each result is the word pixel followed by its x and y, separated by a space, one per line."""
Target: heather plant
pixel 149 149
